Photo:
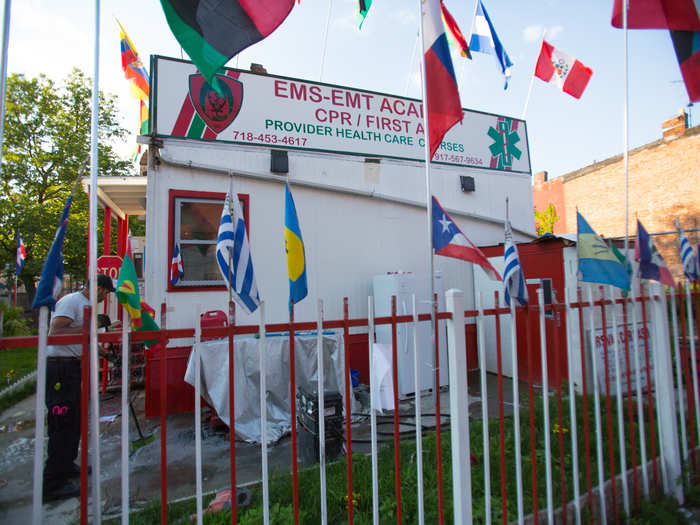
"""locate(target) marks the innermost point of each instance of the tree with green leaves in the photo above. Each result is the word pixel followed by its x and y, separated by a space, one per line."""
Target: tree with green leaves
pixel 46 146
pixel 546 220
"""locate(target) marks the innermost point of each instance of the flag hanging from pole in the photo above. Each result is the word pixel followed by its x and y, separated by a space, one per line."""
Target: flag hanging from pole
pixel 485 40
pixel 442 95
pixel 243 287
pixel 449 241
pixel 21 254
pixel 213 32
pixel 133 68
pixel 688 257
pixel 687 46
pixel 176 269
pixel 128 290
pixel 596 261
pixel 51 282
pixel 454 34
pixel 513 277
pixel 651 264
pixel 363 7
pixel 294 247
pixel 681 15
pixel 562 70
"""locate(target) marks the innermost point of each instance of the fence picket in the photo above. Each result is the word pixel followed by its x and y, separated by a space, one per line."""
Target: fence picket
pixel 418 418
pixel 572 407
pixel 484 408
pixel 545 407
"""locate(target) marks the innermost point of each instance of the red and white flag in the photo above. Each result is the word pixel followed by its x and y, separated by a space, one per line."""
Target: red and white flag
pixel 562 70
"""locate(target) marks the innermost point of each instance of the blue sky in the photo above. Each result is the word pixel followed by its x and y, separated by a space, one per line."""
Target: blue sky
pixel 565 134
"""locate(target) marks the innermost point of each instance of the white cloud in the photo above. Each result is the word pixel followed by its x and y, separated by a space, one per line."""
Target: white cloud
pixel 534 33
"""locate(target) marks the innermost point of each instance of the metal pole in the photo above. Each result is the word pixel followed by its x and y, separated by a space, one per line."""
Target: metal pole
pixel 92 257
pixel 3 79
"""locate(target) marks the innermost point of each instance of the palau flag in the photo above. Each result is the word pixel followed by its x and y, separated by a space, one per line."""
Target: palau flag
pixel 596 261
pixel 294 247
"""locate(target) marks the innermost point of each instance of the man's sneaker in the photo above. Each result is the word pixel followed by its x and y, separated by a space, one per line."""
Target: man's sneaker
pixel 65 491
pixel 75 470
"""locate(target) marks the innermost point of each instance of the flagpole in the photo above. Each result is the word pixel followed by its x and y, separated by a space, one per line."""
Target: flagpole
pixel 3 79
pixel 325 39
pixel 428 193
pixel 532 79
pixel 410 64
pixel 94 383
pixel 625 128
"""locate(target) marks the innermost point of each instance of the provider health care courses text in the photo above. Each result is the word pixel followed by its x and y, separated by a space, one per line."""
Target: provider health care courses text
pixel 395 129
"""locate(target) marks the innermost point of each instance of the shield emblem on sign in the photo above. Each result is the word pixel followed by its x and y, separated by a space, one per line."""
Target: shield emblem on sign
pixel 217 111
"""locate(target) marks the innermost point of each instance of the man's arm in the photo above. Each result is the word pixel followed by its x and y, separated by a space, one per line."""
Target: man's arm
pixel 61 324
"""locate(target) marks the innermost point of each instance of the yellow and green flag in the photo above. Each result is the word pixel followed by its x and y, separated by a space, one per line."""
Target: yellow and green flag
pixel 128 291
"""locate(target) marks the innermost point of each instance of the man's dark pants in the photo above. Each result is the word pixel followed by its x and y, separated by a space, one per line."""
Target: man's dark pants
pixel 63 404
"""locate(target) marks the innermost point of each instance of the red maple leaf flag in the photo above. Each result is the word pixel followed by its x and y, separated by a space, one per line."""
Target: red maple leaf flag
pixel 562 70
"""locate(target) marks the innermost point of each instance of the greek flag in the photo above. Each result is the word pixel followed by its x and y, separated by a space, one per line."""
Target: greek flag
pixel 688 257
pixel 232 247
pixel 513 274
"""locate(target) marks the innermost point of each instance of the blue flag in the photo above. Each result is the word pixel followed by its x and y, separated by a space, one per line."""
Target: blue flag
pixel 485 40
pixel 232 245
pixel 294 247
pixel 513 274
pixel 51 281
pixel 596 261
pixel 688 257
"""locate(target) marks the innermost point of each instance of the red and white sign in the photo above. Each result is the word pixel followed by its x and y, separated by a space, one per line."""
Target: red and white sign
pixel 288 113
pixel 109 265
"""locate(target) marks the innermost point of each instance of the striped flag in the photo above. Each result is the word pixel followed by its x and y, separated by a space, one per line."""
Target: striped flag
pixel 485 40
pixel 513 277
pixel 651 264
pixel 176 270
pixel 688 257
pixel 441 95
pixel 562 70
pixel 233 255
pixel 21 254
pixel 213 32
pixel 51 282
pixel 362 9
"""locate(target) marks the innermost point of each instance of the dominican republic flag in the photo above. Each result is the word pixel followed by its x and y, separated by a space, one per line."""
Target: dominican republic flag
pixel 21 254
pixel 51 281
pixel 449 241
pixel 651 264
pixel 562 70
pixel 513 275
pixel 233 255
pixel 213 32
pixel 442 96
pixel 680 15
pixel 176 270
pixel 485 40
pixel 688 257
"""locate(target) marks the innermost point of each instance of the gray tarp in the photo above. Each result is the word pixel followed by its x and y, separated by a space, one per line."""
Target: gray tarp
pixel 214 370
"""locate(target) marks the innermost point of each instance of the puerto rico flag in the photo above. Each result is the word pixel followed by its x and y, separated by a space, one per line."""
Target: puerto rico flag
pixel 21 254
pixel 176 270
pixel 562 70
pixel 449 241
pixel 651 265
pixel 441 96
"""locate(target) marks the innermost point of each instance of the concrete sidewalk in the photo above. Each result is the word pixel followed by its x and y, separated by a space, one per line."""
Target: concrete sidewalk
pixel 17 455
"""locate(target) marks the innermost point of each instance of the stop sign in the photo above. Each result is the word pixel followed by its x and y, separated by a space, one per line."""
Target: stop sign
pixel 109 265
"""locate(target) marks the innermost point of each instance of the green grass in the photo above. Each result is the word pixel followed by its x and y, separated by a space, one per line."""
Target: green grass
pixel 309 495
pixel 16 363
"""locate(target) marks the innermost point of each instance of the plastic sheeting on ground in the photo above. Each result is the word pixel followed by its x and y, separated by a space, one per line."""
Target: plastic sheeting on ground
pixel 214 382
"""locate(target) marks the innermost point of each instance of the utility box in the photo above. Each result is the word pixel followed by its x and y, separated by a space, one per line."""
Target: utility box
pixel 308 419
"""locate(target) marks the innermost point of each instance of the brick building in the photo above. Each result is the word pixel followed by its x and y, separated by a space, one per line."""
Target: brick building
pixel 664 184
